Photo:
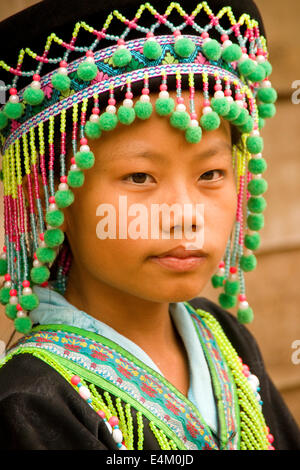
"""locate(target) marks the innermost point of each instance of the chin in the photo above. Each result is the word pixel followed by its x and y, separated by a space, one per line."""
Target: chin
pixel 178 292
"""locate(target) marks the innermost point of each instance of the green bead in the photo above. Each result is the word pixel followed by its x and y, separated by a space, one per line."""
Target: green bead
pixel 220 106
pixel 246 67
pixel 217 281
pixel 193 135
pixel 255 144
pixel 39 274
pixel 180 120
pixel 11 311
pixel 23 325
pixel 245 315
pixel 61 82
pixel 55 218
pixel 126 115
pixel 54 237
pixel 184 47
pixel 267 95
pixel 164 106
pixel 121 57
pixel 85 160
pixel 4 295
pixel 64 198
pixel 75 178
pixel 33 96
pixel 232 53
pixel 87 71
pixel 210 121
pixel 255 221
pixel 3 266
pixel 248 126
pixel 29 301
pixel 257 166
pixel 231 287
pixel 45 254
pixel 143 110
pixel 152 49
pixel 212 49
pixel 268 67
pixel 266 110
pixel 92 130
pixel 242 118
pixel 256 187
pixel 13 110
pixel 257 75
pixel 252 242
pixel 256 204
pixel 108 121
pixel 3 120
pixel 227 301
pixel 234 111
pixel 248 263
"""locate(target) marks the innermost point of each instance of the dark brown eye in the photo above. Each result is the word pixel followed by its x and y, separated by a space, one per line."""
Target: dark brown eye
pixel 138 178
pixel 208 175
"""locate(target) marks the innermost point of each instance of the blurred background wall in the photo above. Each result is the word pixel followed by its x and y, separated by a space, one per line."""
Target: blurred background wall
pixel 273 289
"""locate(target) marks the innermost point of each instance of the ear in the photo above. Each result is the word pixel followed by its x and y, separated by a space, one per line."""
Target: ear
pixel 25 185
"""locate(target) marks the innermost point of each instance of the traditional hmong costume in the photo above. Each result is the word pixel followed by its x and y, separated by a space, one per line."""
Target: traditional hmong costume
pixel 72 382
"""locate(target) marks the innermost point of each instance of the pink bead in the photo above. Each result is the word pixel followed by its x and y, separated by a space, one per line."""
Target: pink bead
pixel 113 421
pixel 73 161
pixel 218 87
pixel 90 54
pixel 163 87
pixel 121 42
pixel 52 199
pixel 95 111
pixel 193 116
pixel 252 56
pixel 270 438
pixel 36 77
pixel 13 91
pixel 83 141
pixel 244 50
pixel 180 100
pixel 63 179
pixel 150 34
pixel 26 283
pixel 233 270
pixel 224 37
pixel 19 307
pixel 129 95
pixel 44 284
pixel 75 380
pixel 145 91
pixel 222 264
pixel 271 448
pixel 63 64
pixel 12 292
pixel 111 101
pixel 7 277
pixel 177 33
pixel 206 103
pixel 242 297
pixel 205 35
pixel 34 255
pixel 4 249
pixel 101 413
pixel 227 92
pixel 41 236
pixel 238 96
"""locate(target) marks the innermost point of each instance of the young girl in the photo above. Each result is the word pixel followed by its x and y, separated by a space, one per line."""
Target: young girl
pixel 126 161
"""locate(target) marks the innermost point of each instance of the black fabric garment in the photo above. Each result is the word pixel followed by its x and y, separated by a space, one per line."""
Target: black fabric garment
pixel 39 410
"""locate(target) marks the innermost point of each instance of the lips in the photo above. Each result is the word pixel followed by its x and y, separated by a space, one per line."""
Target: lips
pixel 183 253
pixel 180 259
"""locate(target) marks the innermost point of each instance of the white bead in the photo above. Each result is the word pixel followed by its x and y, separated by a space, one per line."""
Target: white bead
pixel 243 57
pixel 229 99
pixel 145 98
pixel 227 43
pixel 108 426
pixel 21 314
pixel 36 85
pixel 111 109
pixel 128 103
pixel 74 167
pixel 257 155
pixel 260 59
pixel 206 40
pixel 243 305
pixel 207 109
pixel 257 177
pixel 84 148
pixel 122 46
pixel 164 94
pixel 247 252
pixel 13 300
pixel 7 284
pixel 255 132
pixel 221 271
pixel 117 435
pixel 63 187
pixel 240 103
pixel 90 60
pixel 14 99
pixel 194 123
pixel 123 447
pixel 42 244
pixel 84 392
pixel 36 263
pixel 181 107
pixel 27 290
pixel 253 381
pixel 266 84
pixel 52 206
pixel 63 71
pixel 234 276
pixel 94 118
pixel 219 94
pixel 3 256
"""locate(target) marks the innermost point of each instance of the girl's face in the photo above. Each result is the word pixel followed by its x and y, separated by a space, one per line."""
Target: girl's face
pixel 148 163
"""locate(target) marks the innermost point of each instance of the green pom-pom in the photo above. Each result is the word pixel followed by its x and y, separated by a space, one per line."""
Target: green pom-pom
pixel 248 263
pixel 257 75
pixel 92 130
pixel 33 96
pixel 256 187
pixel 232 53
pixel 87 71
pixel 64 198
pixel 257 165
pixel 247 127
pixel 54 237
pixel 143 110
pixel 256 204
pixel 3 120
pixel 45 254
pixel 255 221
pixel 217 281
pixel 184 47
pixel 11 311
pixel 212 49
pixel 193 135
pixel 261 123
pixel 152 49
pixel 220 106
pixel 234 111
pixel 3 266
pixel 227 301
pixel 29 301
pixel 267 95
pixel 252 242
pixel 231 287
pixel 242 118
pixel 75 178
pixel 61 82
pixel 164 106
pixel 121 57
pixel 39 274
pixel 4 295
pixel 268 67
pixel 255 144
pixel 13 110
pixel 126 115
pixel 108 121
pixel 180 120
pixel 23 325
pixel 246 67
pixel 210 121
pixel 245 315
pixel 85 160
pixel 55 218
pixel 266 110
